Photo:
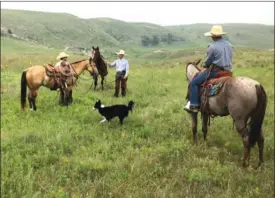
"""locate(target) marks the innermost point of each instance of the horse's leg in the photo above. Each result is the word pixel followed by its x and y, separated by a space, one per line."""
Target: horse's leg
pixel 30 100
pixel 102 81
pixel 31 97
pixel 61 97
pixel 260 143
pixel 34 95
pixel 243 131
pixel 95 82
pixel 70 101
pixel 194 117
pixel 204 125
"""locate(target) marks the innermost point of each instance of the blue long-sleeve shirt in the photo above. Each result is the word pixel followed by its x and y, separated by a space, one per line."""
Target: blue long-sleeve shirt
pixel 220 54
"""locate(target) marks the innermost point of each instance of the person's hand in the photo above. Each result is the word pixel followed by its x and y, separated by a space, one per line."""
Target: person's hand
pixel 124 77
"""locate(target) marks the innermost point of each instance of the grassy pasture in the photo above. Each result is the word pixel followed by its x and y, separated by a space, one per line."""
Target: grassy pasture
pixel 65 152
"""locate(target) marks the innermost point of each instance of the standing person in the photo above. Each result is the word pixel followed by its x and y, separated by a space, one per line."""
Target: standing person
pixel 219 56
pixel 62 57
pixel 122 71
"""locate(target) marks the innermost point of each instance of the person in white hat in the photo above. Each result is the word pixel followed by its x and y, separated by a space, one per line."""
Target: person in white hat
pixel 122 72
pixel 62 57
pixel 219 56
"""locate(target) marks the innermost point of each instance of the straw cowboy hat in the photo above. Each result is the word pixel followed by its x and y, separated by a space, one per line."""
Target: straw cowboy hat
pixel 215 31
pixel 62 55
pixel 121 52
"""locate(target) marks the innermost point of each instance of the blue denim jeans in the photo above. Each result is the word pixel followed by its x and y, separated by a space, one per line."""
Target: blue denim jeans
pixel 195 87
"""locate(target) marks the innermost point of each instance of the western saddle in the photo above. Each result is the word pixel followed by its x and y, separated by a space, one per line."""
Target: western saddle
pixel 215 83
pixel 63 75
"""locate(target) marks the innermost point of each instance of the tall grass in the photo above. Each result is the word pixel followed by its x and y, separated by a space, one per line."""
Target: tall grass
pixel 66 152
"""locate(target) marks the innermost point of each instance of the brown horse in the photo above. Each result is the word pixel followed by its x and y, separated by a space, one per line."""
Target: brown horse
pixel 101 66
pixel 243 99
pixel 34 77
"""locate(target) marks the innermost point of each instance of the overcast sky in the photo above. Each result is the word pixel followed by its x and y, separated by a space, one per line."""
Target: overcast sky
pixel 162 13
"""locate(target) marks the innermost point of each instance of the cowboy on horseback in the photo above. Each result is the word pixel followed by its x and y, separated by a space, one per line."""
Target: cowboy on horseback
pixel 122 71
pixel 219 58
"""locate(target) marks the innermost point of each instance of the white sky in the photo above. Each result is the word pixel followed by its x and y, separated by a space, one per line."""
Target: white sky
pixel 162 13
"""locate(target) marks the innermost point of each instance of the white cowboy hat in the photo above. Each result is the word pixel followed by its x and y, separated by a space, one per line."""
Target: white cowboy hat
pixel 215 31
pixel 121 52
pixel 62 55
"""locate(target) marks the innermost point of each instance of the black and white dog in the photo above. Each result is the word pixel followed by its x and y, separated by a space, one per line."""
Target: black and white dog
pixel 120 111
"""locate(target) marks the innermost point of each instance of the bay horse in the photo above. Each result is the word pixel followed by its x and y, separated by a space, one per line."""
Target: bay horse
pixel 34 77
pixel 101 66
pixel 243 99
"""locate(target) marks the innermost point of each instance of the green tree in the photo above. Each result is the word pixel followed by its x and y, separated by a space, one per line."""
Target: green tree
pixel 155 40
pixel 145 40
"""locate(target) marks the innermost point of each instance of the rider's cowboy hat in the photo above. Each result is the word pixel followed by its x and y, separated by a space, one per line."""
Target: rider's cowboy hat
pixel 121 52
pixel 215 31
pixel 62 55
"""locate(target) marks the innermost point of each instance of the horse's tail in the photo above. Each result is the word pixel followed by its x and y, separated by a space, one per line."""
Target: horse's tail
pixel 257 117
pixel 130 105
pixel 23 90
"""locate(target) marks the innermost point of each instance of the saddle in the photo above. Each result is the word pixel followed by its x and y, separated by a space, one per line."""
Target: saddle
pixel 210 88
pixel 63 75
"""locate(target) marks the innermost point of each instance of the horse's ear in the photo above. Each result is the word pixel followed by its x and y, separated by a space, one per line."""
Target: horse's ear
pixel 93 47
pixel 97 48
pixel 198 62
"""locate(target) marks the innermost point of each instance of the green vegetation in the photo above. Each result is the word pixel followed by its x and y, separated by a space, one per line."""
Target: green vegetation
pixel 63 30
pixel 65 152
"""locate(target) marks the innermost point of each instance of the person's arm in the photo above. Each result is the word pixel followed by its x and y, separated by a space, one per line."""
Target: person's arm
pixel 127 69
pixel 112 64
pixel 209 58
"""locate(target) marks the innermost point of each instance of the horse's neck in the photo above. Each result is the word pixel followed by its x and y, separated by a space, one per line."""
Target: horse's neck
pixel 191 72
pixel 98 60
pixel 79 67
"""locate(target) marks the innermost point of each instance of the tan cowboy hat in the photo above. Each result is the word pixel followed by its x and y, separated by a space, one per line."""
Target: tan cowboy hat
pixel 215 31
pixel 121 52
pixel 62 55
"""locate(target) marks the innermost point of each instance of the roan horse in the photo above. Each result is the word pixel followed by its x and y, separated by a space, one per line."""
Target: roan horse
pixel 101 66
pixel 34 77
pixel 243 99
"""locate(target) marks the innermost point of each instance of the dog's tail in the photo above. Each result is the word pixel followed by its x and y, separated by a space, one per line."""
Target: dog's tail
pixel 131 105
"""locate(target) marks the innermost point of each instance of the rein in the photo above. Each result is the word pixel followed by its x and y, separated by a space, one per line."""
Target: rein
pixel 74 71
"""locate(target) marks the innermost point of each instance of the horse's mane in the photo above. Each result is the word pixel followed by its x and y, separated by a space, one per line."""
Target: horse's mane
pixel 79 61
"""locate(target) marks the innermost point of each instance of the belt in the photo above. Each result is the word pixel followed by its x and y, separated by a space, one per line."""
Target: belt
pixel 217 68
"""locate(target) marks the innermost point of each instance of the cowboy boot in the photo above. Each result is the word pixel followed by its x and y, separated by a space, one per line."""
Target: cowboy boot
pixel 116 92
pixel 123 92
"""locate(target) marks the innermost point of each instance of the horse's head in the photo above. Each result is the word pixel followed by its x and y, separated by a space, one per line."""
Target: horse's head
pixel 95 53
pixel 191 69
pixel 91 67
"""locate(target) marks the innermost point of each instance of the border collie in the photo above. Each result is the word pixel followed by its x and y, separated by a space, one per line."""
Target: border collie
pixel 108 113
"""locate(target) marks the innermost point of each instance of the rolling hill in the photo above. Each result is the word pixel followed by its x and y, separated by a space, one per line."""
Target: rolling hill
pixel 62 30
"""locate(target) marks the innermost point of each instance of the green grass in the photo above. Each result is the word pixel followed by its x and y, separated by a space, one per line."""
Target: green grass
pixel 65 152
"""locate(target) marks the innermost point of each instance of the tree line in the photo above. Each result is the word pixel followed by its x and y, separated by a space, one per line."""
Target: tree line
pixel 155 40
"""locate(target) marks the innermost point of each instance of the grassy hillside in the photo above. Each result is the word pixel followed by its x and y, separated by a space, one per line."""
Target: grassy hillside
pixel 253 35
pixel 65 152
pixel 62 30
